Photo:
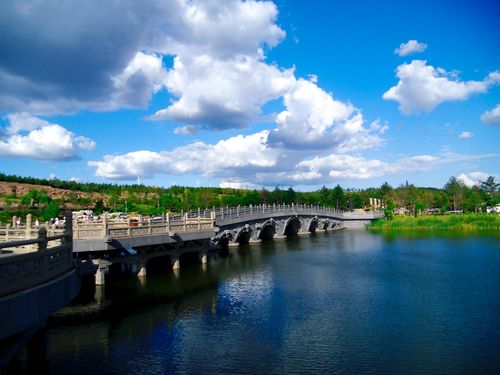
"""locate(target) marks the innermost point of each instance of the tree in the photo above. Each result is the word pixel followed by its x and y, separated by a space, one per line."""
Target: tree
pixel 389 209
pixel 490 186
pixel 385 190
pixel 99 207
pixel 454 189
pixel 51 211
pixel 338 197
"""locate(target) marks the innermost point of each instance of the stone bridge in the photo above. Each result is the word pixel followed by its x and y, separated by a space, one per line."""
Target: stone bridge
pixel 252 224
pixel 38 276
pixel 132 243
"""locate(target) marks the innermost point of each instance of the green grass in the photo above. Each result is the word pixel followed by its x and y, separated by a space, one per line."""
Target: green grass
pixel 470 223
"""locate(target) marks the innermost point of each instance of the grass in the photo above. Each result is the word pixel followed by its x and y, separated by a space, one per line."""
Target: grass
pixel 470 223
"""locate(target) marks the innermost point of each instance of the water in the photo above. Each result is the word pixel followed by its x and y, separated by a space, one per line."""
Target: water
pixel 348 302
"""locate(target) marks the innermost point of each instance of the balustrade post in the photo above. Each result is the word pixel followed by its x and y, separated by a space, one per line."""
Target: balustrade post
pixel 167 221
pixel 199 211
pixel 186 215
pixel 199 222
pixel 251 210
pixel 7 232
pixel 42 235
pixel 274 207
pixel 104 225
pixel 14 221
pixel 129 227
pixel 292 207
pixel 222 213
pixel 68 228
pixel 238 210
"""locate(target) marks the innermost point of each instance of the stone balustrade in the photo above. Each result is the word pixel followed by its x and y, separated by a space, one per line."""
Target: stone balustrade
pixel 48 257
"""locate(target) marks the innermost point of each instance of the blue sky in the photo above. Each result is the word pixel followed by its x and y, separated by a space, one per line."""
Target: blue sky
pixel 251 94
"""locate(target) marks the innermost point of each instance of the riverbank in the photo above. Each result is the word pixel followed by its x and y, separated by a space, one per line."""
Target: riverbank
pixel 470 223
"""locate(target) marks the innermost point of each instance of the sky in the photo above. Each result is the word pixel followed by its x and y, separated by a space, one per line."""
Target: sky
pixel 251 94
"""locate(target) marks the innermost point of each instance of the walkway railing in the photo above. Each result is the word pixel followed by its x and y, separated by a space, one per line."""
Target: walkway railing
pixel 197 221
pixel 50 256
pixel 165 224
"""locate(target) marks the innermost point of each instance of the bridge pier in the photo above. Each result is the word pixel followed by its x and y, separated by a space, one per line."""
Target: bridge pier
pixel 255 241
pixel 304 233
pixel 100 275
pixel 142 270
pixel 279 237
pixel 176 264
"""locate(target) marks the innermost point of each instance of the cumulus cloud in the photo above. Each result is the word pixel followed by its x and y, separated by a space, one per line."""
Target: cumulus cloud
pixel 79 53
pixel 422 87
pixel 313 119
pixel 112 58
pixel 248 153
pixel 473 178
pixel 492 117
pixel 465 135
pixel 340 166
pixel 410 47
pixel 32 137
pixel 221 94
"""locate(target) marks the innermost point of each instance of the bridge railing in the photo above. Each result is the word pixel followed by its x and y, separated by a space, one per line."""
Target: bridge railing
pixel 165 224
pixel 50 257
pixel 198 220
pixel 239 211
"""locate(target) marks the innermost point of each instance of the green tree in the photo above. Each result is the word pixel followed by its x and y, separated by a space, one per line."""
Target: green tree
pixel 99 207
pixel 389 209
pixel 490 187
pixel 52 211
pixel 338 197
pixel 454 189
pixel 385 190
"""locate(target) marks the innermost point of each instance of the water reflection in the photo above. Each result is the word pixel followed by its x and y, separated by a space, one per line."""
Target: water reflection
pixel 348 302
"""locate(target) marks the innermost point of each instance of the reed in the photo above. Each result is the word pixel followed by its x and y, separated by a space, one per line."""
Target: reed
pixel 450 222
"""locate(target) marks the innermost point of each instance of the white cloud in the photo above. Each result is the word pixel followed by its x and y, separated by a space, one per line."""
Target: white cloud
pixel 357 167
pixel 314 120
pixel 142 77
pixel 473 178
pixel 492 117
pixel 237 185
pixel 422 87
pixel 112 58
pixel 220 94
pixel 186 130
pixel 32 137
pixel 410 47
pixel 465 135
pixel 241 153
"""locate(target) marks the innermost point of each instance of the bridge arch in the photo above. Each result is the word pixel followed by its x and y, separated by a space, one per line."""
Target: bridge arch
pixel 291 226
pixel 312 224
pixel 267 230
pixel 243 234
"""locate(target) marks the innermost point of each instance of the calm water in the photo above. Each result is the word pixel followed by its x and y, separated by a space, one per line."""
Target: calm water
pixel 348 302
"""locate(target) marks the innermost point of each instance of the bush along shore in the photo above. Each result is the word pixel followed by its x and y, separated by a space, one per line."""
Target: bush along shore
pixel 470 223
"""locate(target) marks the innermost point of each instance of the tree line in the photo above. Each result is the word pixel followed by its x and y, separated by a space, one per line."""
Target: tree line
pixel 154 200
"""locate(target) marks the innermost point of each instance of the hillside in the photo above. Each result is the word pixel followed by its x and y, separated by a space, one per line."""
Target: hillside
pixel 12 192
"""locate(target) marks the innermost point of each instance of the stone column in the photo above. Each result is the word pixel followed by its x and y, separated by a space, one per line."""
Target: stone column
pixel 100 275
pixel 176 264
pixel 28 226
pixel 142 270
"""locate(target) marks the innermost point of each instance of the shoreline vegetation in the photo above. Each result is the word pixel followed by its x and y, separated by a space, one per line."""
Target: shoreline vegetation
pixel 467 223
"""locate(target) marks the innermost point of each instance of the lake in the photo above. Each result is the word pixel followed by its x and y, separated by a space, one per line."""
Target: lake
pixel 345 302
